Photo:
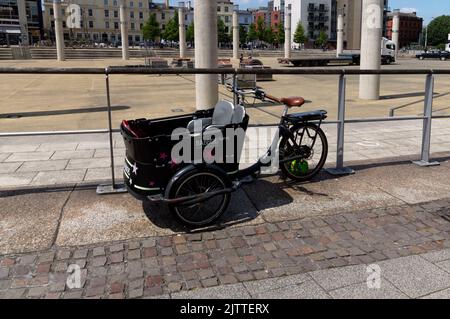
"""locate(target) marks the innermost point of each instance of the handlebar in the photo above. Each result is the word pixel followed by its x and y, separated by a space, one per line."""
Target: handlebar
pixel 256 93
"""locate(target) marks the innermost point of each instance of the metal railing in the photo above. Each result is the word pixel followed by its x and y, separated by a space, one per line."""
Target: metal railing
pixel 340 122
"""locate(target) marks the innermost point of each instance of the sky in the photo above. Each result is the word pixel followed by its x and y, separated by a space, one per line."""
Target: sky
pixel 425 8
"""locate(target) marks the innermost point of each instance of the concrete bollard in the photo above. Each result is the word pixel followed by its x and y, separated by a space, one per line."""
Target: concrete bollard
pixel 124 30
pixel 182 30
pixel 236 32
pixel 340 35
pixel 59 35
pixel 372 22
pixel 287 31
pixel 206 86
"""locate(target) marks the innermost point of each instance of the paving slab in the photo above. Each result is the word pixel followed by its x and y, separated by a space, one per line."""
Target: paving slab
pixel 361 291
pixel 4 156
pixel 29 156
pixel 236 291
pixel 290 287
pixel 280 200
pixel 409 182
pixel 59 177
pixel 103 174
pixel 444 265
pixel 68 146
pixel 17 147
pixel 437 256
pixel 29 221
pixel 72 154
pixel 332 279
pixel 42 166
pixel 414 275
pixel 443 294
pixel 88 163
pixel 16 179
pixel 9 167
pixel 89 218
pixel 305 290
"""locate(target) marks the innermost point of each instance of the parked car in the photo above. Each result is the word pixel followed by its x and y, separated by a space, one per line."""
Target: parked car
pixel 442 55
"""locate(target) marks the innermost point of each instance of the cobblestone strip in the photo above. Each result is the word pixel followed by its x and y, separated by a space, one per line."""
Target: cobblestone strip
pixel 156 266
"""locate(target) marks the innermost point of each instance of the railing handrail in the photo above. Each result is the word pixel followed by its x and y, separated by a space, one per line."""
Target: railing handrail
pixel 281 71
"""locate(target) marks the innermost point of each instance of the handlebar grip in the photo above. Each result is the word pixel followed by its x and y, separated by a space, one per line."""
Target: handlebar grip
pixel 273 98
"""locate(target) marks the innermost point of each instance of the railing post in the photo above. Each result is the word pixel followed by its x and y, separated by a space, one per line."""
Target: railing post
pixel 340 169
pixel 235 83
pixel 113 188
pixel 428 117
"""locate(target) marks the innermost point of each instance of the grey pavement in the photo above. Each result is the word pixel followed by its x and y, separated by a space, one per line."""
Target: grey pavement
pixel 51 160
pixel 419 276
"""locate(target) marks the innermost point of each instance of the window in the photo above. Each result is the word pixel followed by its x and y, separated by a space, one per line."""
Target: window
pixel 218 9
pixel 226 9
pixel 131 4
pixel 115 3
pixel 163 16
pixel 105 2
pixel 116 25
pixel 132 25
pixel 64 24
pixel 141 25
pixel 106 13
pixel 132 14
pixel 91 24
pixel 227 19
pixel 90 12
pixel 106 24
pixel 51 11
pixel 140 4
pixel 116 14
pixel 141 15
pixel 137 38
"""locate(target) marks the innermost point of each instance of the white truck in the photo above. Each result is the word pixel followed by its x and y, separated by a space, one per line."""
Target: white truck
pixel 348 58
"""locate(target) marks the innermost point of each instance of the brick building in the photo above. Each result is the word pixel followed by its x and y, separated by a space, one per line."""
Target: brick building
pixel 410 28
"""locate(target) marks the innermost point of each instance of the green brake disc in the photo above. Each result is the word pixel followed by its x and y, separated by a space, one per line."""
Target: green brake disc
pixel 298 167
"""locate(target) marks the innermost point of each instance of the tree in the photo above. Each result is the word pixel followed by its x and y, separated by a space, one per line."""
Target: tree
pixel 242 35
pixel 322 39
pixel 171 32
pixel 438 30
pixel 252 35
pixel 299 35
pixel 190 33
pixel 280 34
pixel 270 36
pixel 222 34
pixel 260 29
pixel 151 30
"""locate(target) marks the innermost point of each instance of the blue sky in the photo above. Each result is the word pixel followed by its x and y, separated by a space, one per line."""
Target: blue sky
pixel 425 8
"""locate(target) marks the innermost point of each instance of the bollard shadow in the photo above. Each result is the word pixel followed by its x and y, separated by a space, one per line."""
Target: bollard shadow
pixel 244 208
pixel 404 95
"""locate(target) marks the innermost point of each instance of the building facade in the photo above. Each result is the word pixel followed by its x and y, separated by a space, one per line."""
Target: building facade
pixel 245 19
pixel 21 25
pixel 315 16
pixel 225 13
pixel 410 28
pixel 100 19
pixel 352 12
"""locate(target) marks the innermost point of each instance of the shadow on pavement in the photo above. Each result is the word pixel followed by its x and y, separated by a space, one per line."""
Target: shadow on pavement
pixel 242 208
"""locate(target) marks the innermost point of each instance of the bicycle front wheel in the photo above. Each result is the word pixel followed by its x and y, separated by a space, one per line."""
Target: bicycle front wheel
pixel 308 149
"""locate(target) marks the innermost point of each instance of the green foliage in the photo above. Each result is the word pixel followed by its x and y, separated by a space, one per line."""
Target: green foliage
pixel 190 33
pixel 222 34
pixel 322 39
pixel 252 35
pixel 151 30
pixel 242 35
pixel 270 36
pixel 171 32
pixel 260 29
pixel 438 30
pixel 299 35
pixel 280 34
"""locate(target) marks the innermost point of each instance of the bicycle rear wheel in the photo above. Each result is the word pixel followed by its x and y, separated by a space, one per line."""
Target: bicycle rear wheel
pixel 308 150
